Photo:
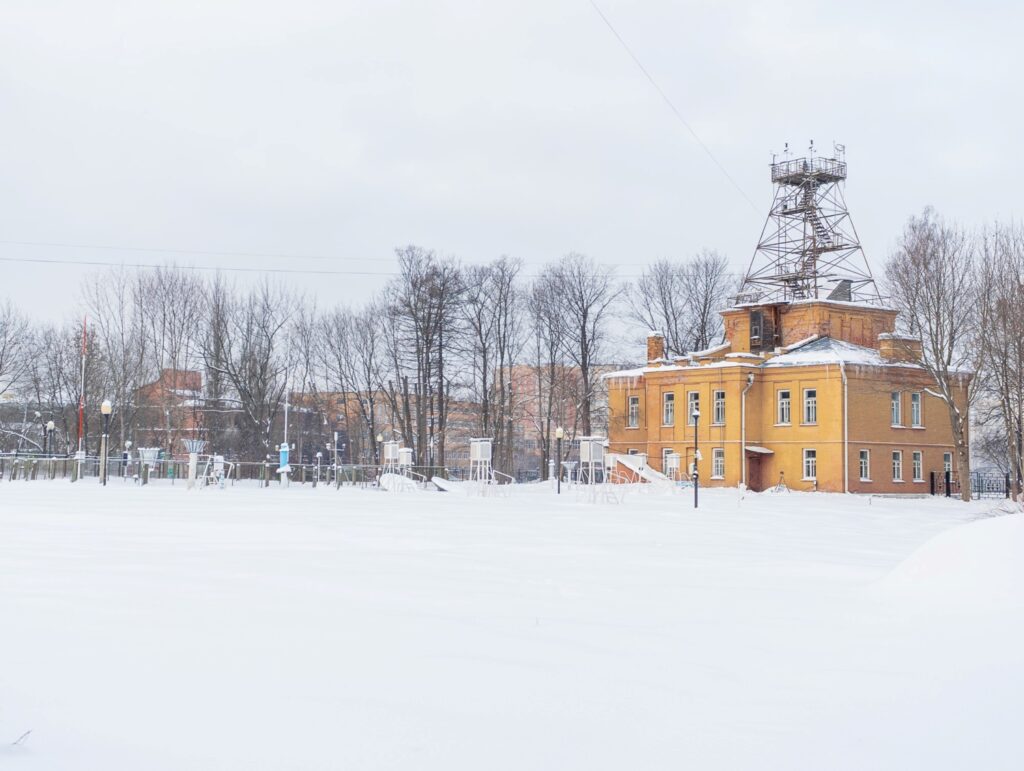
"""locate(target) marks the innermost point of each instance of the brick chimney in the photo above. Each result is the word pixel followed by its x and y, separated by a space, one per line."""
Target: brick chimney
pixel 899 348
pixel 655 346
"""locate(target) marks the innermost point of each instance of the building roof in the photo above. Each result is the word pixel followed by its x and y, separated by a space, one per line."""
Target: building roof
pixel 829 350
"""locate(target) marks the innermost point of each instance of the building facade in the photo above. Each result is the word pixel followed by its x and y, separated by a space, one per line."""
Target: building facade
pixel 811 394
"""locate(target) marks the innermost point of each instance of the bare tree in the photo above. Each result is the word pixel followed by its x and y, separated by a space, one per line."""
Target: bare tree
pixel 1001 307
pixel 14 355
pixel 586 293
pixel 682 300
pixel 933 281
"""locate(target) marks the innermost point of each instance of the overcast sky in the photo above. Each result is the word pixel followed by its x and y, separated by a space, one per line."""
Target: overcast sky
pixel 333 132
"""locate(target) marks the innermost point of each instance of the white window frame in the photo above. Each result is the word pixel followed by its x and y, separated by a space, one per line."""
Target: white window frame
pixel 916 417
pixel 668 408
pixel 897 465
pixel 810 411
pixel 718 408
pixel 896 408
pixel 718 463
pixel 864 459
pixel 917 465
pixel 633 412
pixel 810 464
pixel 788 401
pixel 692 400
pixel 947 461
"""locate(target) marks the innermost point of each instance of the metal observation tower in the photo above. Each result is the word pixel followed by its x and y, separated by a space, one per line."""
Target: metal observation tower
pixel 809 247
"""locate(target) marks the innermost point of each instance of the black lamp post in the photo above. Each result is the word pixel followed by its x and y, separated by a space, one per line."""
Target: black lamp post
pixel 559 434
pixel 50 426
pixel 106 408
pixel 380 446
pixel 696 455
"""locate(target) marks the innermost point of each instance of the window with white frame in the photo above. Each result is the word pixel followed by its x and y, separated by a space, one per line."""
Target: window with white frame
pixel 810 405
pixel 865 465
pixel 917 466
pixel 897 465
pixel 665 452
pixel 718 463
pixel 895 408
pixel 915 410
pixel 668 409
pixel 782 413
pixel 633 412
pixel 947 461
pixel 718 415
pixel 692 403
pixel 810 464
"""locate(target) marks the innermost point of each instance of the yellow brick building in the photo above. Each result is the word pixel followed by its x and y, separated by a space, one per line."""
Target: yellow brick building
pixel 820 394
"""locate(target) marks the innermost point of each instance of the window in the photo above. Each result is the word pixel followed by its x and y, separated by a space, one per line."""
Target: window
pixel 897 413
pixel 865 465
pixel 915 410
pixel 718 418
pixel 810 464
pixel 718 463
pixel 632 451
pixel 947 461
pixel 810 405
pixel 692 403
pixel 897 465
pixel 783 410
pixel 668 409
pixel 917 466
pixel 633 415
pixel 665 452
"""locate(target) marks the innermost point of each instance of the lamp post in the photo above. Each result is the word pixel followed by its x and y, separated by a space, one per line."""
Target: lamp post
pixel 106 408
pixel 559 435
pixel 696 455
pixel 380 443
pixel 319 455
pixel 50 426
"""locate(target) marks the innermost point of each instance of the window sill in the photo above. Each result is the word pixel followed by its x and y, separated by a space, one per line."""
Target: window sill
pixel 897 425
pixel 718 478
pixel 782 425
pixel 809 424
pixel 864 479
pixel 918 428
pixel 718 424
pixel 668 425
pixel 918 481
pixel 810 479
pixel 899 481
pixel 632 428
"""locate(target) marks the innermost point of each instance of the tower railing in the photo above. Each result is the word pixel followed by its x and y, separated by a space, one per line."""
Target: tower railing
pixel 796 171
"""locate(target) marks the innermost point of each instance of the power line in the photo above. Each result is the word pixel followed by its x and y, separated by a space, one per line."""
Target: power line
pixel 200 252
pixel 215 268
pixel 672 107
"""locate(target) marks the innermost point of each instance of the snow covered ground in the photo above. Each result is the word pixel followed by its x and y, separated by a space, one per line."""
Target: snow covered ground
pixel 156 628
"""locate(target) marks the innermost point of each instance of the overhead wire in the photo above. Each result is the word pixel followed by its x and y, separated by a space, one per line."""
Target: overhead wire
pixel 672 106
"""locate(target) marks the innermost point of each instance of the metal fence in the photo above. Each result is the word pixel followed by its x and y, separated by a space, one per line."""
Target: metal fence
pixel 983 484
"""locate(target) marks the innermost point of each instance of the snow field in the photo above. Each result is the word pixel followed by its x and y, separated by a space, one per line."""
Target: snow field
pixel 157 628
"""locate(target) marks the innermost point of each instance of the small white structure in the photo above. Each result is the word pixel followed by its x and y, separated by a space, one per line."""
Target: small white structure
pixel 390 459
pixel 673 460
pixel 193 447
pixel 405 457
pixel 591 459
pixel 480 459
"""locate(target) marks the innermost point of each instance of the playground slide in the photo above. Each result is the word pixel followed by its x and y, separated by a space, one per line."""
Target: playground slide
pixel 633 463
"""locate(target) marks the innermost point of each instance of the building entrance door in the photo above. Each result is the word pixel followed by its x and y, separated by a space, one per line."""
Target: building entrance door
pixel 754 472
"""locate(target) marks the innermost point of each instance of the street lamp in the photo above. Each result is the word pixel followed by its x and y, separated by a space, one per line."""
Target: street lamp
pixel 50 426
pixel 319 455
pixel 380 442
pixel 559 435
pixel 696 454
pixel 106 408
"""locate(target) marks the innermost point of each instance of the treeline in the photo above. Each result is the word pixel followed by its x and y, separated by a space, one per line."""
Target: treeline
pixel 961 292
pixel 443 343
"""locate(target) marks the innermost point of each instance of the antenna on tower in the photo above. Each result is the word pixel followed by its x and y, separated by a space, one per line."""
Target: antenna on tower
pixel 809 247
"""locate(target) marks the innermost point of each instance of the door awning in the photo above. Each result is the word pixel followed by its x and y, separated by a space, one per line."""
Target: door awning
pixel 759 450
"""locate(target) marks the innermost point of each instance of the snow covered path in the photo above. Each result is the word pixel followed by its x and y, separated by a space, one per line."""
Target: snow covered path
pixel 157 628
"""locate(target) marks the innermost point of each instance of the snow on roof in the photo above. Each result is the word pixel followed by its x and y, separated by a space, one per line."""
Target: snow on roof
pixel 709 351
pixel 829 350
pixel 809 300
